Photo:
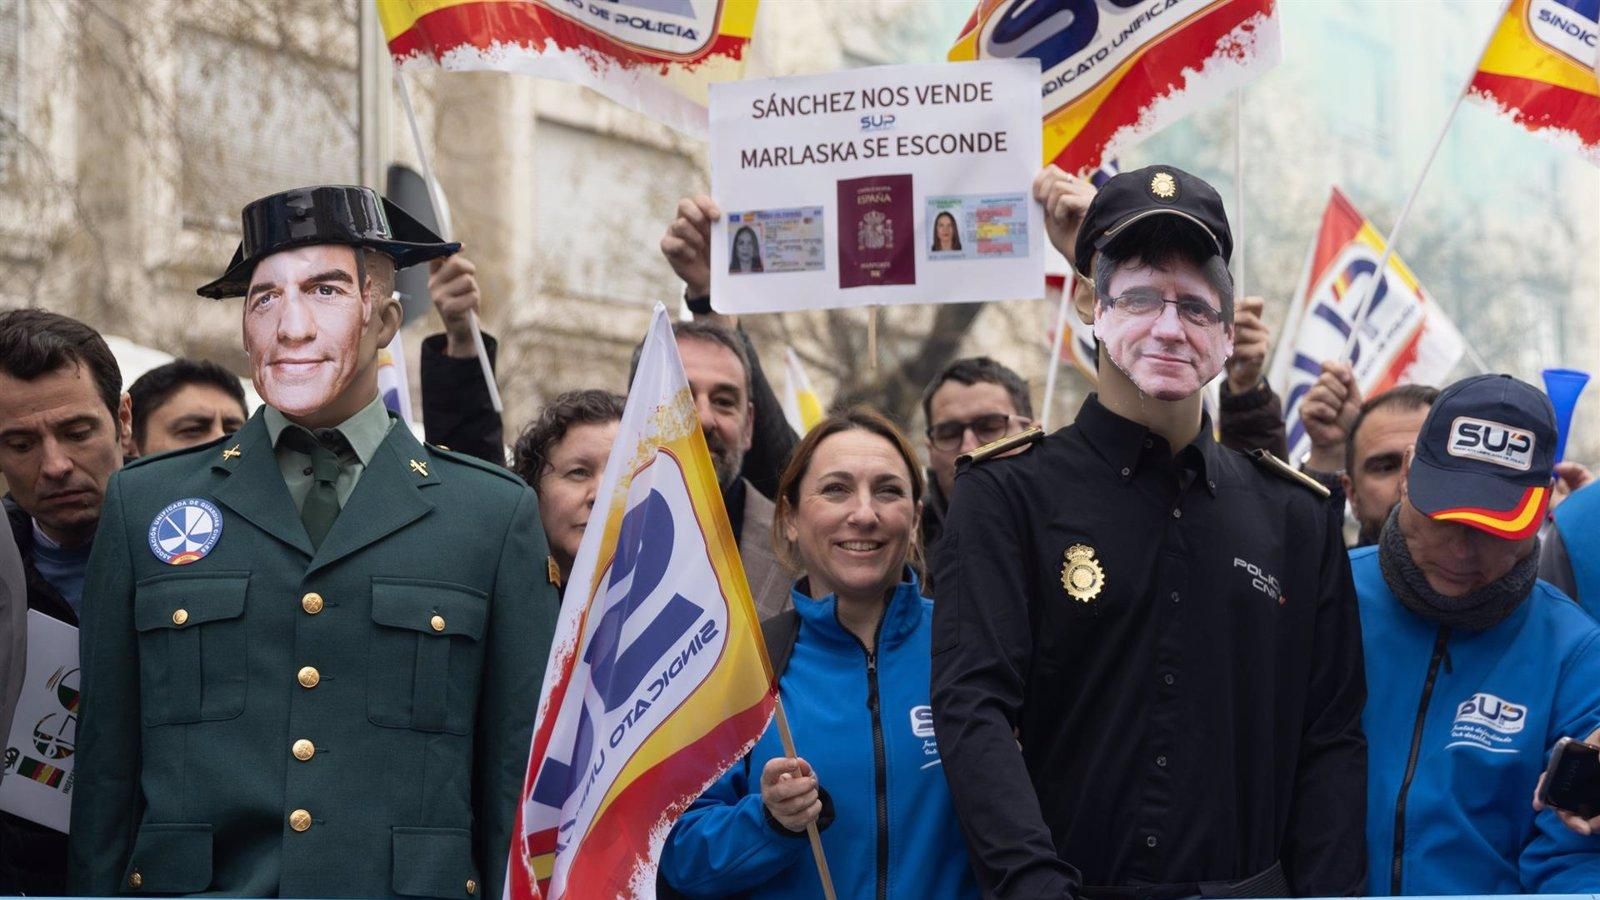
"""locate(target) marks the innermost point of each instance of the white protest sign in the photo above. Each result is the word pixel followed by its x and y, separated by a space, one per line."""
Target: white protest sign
pixel 895 184
pixel 44 731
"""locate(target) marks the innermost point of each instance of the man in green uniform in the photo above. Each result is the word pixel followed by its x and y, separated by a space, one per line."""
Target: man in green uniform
pixel 312 650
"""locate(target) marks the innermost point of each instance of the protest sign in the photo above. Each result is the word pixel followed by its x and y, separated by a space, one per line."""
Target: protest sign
pixel 1117 71
pixel 896 184
pixel 1404 338
pixel 655 56
pixel 44 731
pixel 1541 69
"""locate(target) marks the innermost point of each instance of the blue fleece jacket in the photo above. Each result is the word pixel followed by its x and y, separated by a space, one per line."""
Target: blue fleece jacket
pixel 723 844
pixel 1499 699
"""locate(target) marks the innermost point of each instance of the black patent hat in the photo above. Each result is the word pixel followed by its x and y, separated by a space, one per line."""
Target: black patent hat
pixel 326 214
pixel 1132 197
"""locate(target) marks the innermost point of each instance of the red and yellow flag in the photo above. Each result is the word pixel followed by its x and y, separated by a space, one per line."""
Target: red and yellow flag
pixel 658 680
pixel 656 56
pixel 1541 69
pixel 1115 73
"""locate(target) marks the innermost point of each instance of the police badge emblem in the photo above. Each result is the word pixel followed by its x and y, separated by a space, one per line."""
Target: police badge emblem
pixel 1163 185
pixel 1081 574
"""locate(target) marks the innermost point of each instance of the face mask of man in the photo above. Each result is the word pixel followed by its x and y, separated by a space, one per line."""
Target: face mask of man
pixel 313 332
pixel 1163 329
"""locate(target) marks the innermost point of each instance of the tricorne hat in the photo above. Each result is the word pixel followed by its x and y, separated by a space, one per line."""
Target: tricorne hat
pixel 1485 456
pixel 1131 197
pixel 325 214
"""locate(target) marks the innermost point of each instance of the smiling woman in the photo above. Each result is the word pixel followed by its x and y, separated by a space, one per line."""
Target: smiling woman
pixel 857 676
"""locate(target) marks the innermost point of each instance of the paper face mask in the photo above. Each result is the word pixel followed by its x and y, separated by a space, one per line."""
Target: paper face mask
pixel 1165 356
pixel 304 322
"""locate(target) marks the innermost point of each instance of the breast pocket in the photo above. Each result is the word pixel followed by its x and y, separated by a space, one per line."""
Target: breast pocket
pixel 192 665
pixel 426 654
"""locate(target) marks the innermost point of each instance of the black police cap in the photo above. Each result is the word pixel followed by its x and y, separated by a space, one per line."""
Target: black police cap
pixel 1135 196
pixel 326 214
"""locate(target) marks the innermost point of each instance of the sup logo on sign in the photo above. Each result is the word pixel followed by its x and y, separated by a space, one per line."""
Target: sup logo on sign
pixel 1491 442
pixel 185 531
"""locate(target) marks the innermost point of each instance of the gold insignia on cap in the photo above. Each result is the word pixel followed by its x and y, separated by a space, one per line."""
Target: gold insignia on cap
pixel 1081 574
pixel 421 468
pixel 232 452
pixel 1163 185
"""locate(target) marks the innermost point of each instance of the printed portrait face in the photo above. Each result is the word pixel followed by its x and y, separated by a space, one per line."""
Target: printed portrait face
pixel 944 232
pixel 746 253
pixel 312 334
pixel 1166 349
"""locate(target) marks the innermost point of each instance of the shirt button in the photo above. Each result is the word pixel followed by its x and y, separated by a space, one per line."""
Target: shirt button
pixel 1212 485
pixel 179 617
pixel 309 676
pixel 1174 596
pixel 135 879
pixel 1161 761
pixel 304 749
pixel 1151 841
pixel 300 820
pixel 306 471
pixel 1168 678
pixel 312 603
pixel 1177 514
pixel 1148 443
pixel 436 623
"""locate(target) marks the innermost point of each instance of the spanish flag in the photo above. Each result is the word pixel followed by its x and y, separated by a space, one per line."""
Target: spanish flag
pixel 1541 69
pixel 657 57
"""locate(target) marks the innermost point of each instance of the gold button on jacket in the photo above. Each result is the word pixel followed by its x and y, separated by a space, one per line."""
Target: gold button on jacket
pixel 309 676
pixel 135 880
pixel 179 617
pixel 300 820
pixel 472 886
pixel 311 603
pixel 436 623
pixel 304 750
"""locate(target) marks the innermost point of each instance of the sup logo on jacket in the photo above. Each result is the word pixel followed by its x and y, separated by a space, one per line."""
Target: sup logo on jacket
pixel 1489 723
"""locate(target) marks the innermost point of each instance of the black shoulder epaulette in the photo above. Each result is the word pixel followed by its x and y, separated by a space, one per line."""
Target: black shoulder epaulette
pixel 1002 446
pixel 1269 463
pixel 456 456
pixel 178 452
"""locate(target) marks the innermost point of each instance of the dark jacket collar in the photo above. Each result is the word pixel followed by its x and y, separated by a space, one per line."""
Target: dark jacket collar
pixel 1127 446
pixel 42 595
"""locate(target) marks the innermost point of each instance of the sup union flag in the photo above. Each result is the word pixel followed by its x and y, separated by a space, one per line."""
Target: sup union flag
pixel 655 56
pixel 1117 71
pixel 1406 338
pixel 1541 69
pixel 658 680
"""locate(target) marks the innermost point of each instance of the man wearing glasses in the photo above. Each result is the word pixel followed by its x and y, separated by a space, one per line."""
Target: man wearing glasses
pixel 1147 672
pixel 972 402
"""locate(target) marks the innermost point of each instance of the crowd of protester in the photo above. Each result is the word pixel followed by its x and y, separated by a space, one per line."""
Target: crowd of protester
pixel 1134 658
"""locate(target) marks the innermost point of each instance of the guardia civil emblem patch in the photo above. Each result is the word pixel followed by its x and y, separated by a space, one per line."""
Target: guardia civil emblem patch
pixel 185 531
pixel 1081 574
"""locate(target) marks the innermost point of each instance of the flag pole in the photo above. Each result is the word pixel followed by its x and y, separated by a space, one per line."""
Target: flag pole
pixel 443 215
pixel 1400 221
pixel 872 339
pixel 787 737
pixel 1069 286
pixel 1238 188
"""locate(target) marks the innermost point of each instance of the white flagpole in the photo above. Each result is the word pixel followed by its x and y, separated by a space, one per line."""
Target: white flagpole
pixel 444 231
pixel 1394 232
pixel 1069 287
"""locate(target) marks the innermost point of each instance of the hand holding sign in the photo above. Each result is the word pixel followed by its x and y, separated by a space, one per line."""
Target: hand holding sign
pixel 687 243
pixel 1065 199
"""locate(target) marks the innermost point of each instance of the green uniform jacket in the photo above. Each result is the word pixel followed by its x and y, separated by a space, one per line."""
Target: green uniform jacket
pixel 268 721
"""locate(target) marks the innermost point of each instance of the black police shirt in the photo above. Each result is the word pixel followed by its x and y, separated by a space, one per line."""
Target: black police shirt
pixel 1175 640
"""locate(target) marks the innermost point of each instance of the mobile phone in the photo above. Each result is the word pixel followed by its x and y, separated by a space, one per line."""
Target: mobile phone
pixel 1572 781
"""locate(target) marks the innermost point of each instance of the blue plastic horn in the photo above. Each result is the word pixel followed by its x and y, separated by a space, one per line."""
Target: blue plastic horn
pixel 1563 387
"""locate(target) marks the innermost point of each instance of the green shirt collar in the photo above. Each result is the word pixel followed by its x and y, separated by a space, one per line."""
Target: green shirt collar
pixel 364 431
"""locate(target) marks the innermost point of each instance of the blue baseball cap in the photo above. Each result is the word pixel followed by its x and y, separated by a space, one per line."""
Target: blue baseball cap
pixel 1485 457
